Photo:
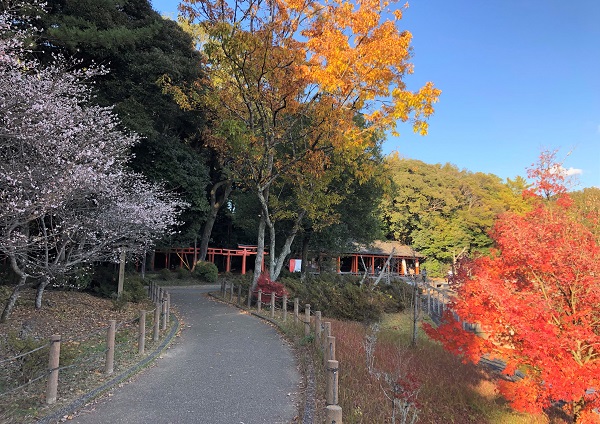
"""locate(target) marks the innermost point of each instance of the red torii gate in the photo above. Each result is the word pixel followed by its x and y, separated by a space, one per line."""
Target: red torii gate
pixel 187 255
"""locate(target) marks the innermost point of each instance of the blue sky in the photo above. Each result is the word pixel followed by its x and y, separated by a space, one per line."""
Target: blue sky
pixel 517 77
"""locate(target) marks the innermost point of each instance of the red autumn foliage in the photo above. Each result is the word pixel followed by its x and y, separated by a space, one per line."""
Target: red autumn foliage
pixel 267 286
pixel 537 297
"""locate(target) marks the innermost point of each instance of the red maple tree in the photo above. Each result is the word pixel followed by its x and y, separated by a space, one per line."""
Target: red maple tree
pixel 537 301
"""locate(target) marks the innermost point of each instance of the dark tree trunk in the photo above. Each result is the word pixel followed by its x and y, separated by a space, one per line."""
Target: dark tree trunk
pixel 40 292
pixel 10 303
pixel 304 263
pixel 218 197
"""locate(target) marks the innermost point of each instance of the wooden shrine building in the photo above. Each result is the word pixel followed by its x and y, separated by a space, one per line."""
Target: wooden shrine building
pixel 404 260
pixel 372 258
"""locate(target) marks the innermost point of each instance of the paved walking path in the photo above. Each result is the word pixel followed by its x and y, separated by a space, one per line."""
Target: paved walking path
pixel 227 367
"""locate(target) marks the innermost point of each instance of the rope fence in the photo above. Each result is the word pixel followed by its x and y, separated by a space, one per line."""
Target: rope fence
pixel 80 361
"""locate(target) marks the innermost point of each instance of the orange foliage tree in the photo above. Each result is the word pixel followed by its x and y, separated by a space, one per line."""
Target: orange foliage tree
pixel 287 80
pixel 537 299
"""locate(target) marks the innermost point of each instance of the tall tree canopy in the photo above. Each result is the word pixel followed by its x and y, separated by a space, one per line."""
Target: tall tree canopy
pixel 537 298
pixel 139 48
pixel 288 80
pixel 67 197
pixel 444 212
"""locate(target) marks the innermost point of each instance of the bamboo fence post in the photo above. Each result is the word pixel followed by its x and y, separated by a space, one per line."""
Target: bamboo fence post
pixel 259 301
pixel 272 304
pixel 284 303
pixel 142 333
pixel 110 347
pixel 307 319
pixel 53 364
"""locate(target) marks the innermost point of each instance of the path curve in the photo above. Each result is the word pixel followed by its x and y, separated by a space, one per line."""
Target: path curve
pixel 227 367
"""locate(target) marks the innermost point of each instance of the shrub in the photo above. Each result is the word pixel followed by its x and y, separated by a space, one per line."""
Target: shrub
pixel 183 273
pixel 165 275
pixel 134 288
pixel 267 286
pixel 343 297
pixel 79 279
pixel 206 271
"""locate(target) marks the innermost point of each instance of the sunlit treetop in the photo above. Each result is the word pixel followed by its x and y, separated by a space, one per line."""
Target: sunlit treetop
pixel 349 56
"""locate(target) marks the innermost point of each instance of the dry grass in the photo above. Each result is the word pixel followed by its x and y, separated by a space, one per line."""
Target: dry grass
pixel 81 320
pixel 448 390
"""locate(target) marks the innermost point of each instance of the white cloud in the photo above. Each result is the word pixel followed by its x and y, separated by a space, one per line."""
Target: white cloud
pixel 572 171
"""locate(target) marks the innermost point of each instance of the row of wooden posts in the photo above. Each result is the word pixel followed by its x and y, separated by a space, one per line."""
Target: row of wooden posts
pixel 312 324
pixel 162 311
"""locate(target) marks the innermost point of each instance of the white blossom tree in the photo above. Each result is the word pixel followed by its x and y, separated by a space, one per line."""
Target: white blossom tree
pixel 67 197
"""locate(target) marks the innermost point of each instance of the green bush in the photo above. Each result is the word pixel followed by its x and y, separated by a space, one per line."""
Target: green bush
pixel 244 280
pixel 104 280
pixel 183 273
pixel 165 274
pixel 34 364
pixel 79 279
pixel 343 297
pixel 134 287
pixel 206 271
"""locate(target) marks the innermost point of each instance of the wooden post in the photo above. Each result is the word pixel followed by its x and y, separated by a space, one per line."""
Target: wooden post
pixel 249 297
pixel 168 307
pixel 296 309
pixel 318 327
pixel 53 363
pixel 231 293
pixel 272 304
pixel 110 347
pixel 164 311
pixel 429 301
pixel 329 354
pixel 284 307
pixel 259 301
pixel 307 319
pixel 223 289
pixel 326 330
pixel 333 414
pixel 239 295
pixel 142 333
pixel 331 389
pixel 121 274
pixel 156 321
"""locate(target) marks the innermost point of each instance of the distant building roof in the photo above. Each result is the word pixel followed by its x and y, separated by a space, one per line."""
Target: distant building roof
pixel 385 248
